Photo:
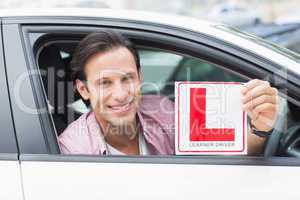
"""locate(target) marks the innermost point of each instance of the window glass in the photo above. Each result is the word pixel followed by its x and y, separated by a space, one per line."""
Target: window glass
pixel 160 69
pixel 157 67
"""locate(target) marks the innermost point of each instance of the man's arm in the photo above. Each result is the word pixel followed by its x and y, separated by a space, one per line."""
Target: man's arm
pixel 256 144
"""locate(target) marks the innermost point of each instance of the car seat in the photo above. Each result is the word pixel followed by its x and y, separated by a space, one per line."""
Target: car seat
pixel 58 86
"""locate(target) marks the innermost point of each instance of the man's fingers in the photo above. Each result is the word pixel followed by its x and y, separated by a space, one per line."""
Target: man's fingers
pixel 256 112
pixel 266 107
pixel 253 116
pixel 259 100
pixel 258 91
pixel 252 84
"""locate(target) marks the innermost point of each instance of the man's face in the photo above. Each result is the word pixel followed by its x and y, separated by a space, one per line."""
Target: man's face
pixel 112 87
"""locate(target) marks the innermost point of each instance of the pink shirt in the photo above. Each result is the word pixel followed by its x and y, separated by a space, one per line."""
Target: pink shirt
pixel 156 117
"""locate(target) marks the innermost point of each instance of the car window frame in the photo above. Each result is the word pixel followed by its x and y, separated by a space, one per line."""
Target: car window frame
pixel 30 133
pixel 8 142
pixel 251 69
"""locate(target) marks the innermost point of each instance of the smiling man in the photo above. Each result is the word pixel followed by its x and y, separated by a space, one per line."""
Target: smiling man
pixel 106 72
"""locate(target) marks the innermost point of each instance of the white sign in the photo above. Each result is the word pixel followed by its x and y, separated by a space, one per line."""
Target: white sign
pixel 209 119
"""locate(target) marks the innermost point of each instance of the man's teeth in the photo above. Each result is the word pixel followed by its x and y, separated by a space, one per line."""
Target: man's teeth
pixel 120 107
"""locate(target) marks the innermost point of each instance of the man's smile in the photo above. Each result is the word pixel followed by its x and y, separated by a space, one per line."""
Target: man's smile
pixel 121 108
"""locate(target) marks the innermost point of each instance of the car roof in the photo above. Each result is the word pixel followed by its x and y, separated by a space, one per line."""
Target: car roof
pixel 232 36
pixel 93 12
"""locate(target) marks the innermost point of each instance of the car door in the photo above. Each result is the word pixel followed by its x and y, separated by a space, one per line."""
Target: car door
pixel 10 172
pixel 48 175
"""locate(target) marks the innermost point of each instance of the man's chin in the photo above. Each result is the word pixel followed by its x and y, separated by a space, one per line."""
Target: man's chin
pixel 121 121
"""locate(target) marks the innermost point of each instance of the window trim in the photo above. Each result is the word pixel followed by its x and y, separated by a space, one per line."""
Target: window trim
pixel 28 129
pixel 167 160
pixel 7 136
pixel 191 47
pixel 9 157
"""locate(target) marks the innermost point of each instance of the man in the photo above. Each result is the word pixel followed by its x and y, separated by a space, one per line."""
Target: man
pixel 106 72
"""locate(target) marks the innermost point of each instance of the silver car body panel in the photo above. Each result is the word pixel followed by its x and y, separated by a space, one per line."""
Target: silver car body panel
pixel 271 52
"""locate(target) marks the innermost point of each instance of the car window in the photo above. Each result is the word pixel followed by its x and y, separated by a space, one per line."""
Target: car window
pixel 160 69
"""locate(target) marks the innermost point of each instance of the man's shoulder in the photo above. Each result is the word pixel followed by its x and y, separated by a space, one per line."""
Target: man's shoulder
pixel 79 136
pixel 76 134
pixel 158 107
pixel 75 127
pixel 156 101
pixel 158 119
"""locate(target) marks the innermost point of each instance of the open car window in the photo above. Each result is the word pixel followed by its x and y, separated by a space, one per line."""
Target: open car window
pixel 161 67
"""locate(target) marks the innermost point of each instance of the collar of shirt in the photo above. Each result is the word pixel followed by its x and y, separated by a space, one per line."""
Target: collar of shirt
pixel 95 131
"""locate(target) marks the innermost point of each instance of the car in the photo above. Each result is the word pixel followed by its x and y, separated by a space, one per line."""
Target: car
pixel 284 34
pixel 234 15
pixel 38 102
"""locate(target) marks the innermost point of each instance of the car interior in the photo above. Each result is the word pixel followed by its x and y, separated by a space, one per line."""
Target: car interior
pixel 65 105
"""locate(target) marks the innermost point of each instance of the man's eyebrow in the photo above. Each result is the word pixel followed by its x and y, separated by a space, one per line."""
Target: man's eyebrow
pixel 130 73
pixel 102 77
pixel 98 80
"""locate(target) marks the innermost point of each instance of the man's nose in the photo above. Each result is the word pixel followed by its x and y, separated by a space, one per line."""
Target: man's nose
pixel 120 92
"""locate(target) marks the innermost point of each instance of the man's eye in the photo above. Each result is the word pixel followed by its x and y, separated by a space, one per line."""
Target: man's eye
pixel 105 83
pixel 126 78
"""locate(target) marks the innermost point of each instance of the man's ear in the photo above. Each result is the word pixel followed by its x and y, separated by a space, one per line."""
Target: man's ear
pixel 141 76
pixel 141 82
pixel 82 89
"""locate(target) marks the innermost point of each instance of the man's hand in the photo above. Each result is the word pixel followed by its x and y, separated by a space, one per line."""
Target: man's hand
pixel 261 103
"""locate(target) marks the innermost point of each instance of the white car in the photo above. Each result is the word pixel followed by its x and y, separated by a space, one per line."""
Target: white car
pixel 37 43
pixel 234 15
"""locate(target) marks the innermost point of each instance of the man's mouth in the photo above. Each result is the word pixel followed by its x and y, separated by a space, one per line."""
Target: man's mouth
pixel 121 107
